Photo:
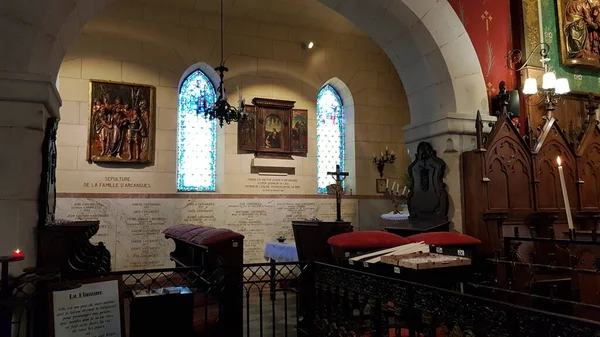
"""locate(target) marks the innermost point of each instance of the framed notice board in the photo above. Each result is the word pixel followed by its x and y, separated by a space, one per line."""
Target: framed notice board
pixel 88 308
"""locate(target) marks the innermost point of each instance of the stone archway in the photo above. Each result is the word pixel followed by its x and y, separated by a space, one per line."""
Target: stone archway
pixel 424 39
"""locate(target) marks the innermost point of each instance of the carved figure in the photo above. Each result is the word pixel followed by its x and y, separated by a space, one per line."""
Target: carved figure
pixel 120 131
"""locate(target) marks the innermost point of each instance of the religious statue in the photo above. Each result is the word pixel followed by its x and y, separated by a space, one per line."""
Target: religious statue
pixel 580 33
pixel 121 130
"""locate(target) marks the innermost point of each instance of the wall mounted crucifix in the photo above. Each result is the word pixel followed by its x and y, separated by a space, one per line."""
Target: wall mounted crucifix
pixel 339 190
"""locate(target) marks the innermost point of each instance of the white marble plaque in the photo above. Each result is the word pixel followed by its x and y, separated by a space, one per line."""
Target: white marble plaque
pixel 132 228
pixel 140 242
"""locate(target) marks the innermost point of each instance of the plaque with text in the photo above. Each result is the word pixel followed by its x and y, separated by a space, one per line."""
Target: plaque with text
pixel 90 308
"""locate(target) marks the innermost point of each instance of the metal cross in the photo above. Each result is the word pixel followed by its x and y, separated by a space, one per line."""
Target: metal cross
pixel 339 177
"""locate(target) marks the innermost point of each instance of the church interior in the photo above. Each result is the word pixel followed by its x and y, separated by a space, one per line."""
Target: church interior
pixel 299 168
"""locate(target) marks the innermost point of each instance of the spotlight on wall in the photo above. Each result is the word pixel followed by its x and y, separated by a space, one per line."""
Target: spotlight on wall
pixel 308 45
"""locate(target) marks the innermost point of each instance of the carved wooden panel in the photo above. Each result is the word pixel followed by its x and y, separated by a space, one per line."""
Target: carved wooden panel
pixel 552 143
pixel 589 168
pixel 508 167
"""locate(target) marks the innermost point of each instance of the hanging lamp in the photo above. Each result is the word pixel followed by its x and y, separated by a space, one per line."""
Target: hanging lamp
pixel 222 110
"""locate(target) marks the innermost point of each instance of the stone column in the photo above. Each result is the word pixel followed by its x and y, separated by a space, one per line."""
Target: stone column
pixel 449 136
pixel 26 102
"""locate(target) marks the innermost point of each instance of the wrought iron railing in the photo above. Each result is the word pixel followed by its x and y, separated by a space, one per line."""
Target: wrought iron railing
pixel 352 302
pixel 263 301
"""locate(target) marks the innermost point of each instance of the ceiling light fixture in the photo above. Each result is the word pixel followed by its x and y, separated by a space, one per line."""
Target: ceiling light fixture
pixel 310 45
pixel 222 110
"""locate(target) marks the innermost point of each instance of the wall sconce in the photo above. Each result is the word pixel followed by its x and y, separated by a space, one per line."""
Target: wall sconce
pixel 308 45
pixel 552 88
pixel 386 158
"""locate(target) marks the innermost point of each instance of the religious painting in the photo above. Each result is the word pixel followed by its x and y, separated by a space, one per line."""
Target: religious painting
pixel 121 124
pixel 273 128
pixel 579 26
pixel 247 130
pixel 299 131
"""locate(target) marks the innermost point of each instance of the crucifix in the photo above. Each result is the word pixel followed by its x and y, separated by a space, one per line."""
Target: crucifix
pixel 339 177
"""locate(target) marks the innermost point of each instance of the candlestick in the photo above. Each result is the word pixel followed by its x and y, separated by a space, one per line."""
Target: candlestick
pixel 404 190
pixel 387 184
pixel 563 185
pixel 17 254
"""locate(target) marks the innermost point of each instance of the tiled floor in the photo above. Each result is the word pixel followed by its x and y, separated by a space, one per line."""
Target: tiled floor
pixel 270 316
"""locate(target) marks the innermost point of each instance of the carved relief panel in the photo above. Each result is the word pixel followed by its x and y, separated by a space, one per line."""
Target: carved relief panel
pixel 508 170
pixel 589 168
pixel 552 144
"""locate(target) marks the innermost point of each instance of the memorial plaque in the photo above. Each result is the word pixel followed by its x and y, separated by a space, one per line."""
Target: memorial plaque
pixel 140 242
pixel 89 310
pixel 252 218
pixel 132 228
pixel 201 212
pixel 289 210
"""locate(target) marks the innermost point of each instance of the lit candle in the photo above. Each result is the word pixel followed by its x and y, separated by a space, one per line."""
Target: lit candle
pixel 393 186
pixel 387 184
pixel 563 185
pixel 17 254
pixel 397 188
pixel 404 190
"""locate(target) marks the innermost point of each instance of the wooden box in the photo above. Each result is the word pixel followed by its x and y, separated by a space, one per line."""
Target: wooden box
pixel 421 261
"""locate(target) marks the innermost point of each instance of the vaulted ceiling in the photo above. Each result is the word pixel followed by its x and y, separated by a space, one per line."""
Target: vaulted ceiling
pixel 299 13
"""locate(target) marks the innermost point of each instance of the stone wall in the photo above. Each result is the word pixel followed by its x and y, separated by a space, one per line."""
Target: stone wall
pixel 265 60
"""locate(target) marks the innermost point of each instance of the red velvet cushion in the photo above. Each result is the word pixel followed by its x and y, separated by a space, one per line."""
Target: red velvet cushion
pixel 367 240
pixel 444 239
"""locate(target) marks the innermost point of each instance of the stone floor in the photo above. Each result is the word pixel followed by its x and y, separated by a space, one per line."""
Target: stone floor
pixel 270 317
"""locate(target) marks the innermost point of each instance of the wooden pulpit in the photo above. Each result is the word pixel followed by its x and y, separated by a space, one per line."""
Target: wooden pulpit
pixel 311 238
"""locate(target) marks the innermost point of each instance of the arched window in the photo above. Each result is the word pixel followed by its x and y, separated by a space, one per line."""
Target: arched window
pixel 196 135
pixel 330 135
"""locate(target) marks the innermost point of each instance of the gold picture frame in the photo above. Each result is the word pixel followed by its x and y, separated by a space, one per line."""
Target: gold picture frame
pixel 577 47
pixel 122 122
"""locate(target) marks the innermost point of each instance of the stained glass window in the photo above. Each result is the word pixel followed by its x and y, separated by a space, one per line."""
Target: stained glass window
pixel 196 135
pixel 330 136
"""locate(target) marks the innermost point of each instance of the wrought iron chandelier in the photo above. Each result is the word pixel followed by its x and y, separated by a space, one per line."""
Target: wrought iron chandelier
pixel 221 109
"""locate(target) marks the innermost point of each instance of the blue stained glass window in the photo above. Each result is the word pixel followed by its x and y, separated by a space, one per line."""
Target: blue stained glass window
pixel 196 135
pixel 330 136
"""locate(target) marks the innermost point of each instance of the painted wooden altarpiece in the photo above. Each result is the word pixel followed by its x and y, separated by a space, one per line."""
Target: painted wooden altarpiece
pixel 122 122
pixel 274 128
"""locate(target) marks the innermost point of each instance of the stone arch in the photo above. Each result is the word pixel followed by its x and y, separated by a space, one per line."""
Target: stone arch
pixel 425 40
pixel 203 67
pixel 431 51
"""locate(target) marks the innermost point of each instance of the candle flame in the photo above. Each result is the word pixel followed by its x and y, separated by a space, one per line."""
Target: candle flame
pixel 17 251
pixel 558 161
